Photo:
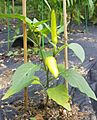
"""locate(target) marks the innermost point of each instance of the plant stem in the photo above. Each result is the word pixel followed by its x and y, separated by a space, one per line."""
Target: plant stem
pixel 42 19
pixel 5 7
pixel 86 19
pixel 42 57
pixel 25 50
pixel 13 6
pixel 54 51
pixel 8 24
pixel 65 39
pixel 47 85
pixel 47 75
pixel 8 34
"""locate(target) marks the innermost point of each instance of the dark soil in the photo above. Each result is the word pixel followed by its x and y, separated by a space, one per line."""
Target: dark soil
pixel 85 108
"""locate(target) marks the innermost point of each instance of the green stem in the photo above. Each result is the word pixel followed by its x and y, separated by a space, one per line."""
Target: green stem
pixel 8 25
pixel 42 19
pixel 54 51
pixel 86 19
pixel 43 58
pixel 8 34
pixel 47 85
pixel 47 75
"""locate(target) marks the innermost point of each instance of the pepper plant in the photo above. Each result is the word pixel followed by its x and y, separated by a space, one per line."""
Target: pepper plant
pixel 25 74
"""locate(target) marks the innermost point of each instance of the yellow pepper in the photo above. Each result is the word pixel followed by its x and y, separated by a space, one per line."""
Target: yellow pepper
pixel 53 27
pixel 51 63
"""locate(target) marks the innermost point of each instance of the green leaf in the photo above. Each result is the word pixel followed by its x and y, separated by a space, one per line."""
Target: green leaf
pixel 61 68
pixel 91 8
pixel 47 4
pixel 78 50
pixel 38 24
pixel 47 26
pixel 46 53
pixel 35 22
pixel 68 2
pixel 10 53
pixel 29 21
pixel 77 81
pixel 21 17
pixel 60 30
pixel 36 81
pixel 60 49
pixel 60 95
pixel 71 2
pixel 18 16
pixel 32 118
pixel 23 77
pixel 45 31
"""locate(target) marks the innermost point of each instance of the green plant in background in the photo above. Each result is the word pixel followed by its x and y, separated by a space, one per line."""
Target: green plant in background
pixel 25 74
pixel 2 6
pixel 94 17
pixel 80 10
pixel 76 9
pixel 6 8
pixel 8 11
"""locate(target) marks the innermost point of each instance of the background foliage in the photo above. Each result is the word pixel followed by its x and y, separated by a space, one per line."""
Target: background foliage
pixel 78 10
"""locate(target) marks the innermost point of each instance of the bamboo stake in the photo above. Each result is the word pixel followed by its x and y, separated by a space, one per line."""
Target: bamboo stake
pixel 25 49
pixel 65 39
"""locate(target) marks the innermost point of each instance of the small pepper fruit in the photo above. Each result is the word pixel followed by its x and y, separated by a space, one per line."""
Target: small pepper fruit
pixel 51 63
pixel 54 27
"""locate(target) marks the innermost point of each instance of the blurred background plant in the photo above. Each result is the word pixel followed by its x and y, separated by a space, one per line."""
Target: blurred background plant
pixel 80 12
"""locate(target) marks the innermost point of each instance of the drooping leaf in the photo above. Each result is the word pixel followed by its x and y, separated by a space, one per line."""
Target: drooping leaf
pixel 60 95
pixel 23 77
pixel 76 80
pixel 78 50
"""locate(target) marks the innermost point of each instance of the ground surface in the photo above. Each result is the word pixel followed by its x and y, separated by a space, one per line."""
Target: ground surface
pixel 8 64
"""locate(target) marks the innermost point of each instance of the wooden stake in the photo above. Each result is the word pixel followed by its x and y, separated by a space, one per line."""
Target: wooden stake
pixel 65 38
pixel 25 50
